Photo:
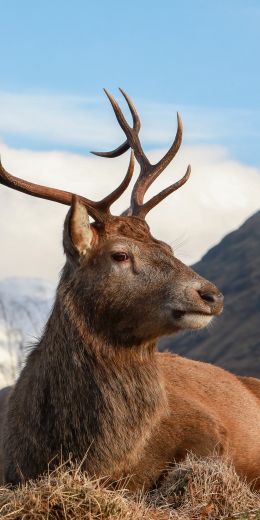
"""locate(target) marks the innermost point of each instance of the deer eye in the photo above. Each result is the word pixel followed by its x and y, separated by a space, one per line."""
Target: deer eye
pixel 120 257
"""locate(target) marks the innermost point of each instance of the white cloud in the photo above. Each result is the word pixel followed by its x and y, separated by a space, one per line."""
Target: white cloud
pixel 60 119
pixel 89 121
pixel 220 195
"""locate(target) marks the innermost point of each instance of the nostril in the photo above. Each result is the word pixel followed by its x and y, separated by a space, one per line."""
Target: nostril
pixel 211 297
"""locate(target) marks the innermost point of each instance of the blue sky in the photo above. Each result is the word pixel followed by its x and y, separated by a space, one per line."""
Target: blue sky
pixel 201 57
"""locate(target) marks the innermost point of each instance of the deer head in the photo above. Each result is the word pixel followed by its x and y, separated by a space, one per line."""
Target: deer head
pixel 127 287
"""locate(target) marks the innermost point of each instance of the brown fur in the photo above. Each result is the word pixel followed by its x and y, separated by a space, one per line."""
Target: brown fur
pixel 95 389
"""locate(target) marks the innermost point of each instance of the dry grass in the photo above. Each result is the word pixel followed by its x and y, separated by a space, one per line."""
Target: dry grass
pixel 207 488
pixel 70 495
pixel 197 489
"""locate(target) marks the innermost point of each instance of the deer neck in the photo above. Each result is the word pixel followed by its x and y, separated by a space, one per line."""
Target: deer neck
pixel 103 400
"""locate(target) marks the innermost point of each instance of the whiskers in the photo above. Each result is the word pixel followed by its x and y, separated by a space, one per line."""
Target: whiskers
pixel 179 247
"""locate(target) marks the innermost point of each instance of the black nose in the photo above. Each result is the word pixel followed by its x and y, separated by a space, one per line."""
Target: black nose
pixel 211 297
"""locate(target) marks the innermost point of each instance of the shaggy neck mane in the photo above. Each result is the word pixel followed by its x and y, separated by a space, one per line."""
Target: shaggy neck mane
pixel 92 400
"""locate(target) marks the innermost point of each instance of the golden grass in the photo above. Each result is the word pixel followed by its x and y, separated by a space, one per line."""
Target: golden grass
pixel 197 489
pixel 207 488
pixel 69 495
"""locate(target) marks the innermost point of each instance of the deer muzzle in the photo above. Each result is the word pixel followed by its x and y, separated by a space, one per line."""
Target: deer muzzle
pixel 200 302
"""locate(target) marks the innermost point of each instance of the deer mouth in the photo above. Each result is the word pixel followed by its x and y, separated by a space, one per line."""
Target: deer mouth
pixel 191 319
pixel 178 314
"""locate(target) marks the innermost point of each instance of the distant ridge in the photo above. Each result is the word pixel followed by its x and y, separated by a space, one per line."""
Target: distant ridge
pixel 25 304
pixel 233 341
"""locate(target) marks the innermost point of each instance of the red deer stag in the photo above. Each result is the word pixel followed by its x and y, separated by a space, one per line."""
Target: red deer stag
pixel 94 388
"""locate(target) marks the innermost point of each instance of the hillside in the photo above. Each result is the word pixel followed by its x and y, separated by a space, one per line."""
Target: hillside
pixel 233 341
pixel 24 307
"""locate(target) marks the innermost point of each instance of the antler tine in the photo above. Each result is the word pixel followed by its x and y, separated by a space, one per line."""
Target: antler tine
pixel 145 208
pixel 114 153
pixel 169 156
pixel 131 134
pixel 110 199
pixel 136 126
pixel 135 116
pixel 150 172
pixel 99 210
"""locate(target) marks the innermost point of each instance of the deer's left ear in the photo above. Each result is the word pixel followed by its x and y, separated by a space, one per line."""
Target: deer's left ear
pixel 80 232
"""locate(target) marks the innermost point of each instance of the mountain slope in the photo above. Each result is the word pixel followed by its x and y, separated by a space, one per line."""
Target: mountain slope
pixel 233 341
pixel 24 307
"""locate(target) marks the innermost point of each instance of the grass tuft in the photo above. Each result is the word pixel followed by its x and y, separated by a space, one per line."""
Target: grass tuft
pixel 196 489
pixel 206 488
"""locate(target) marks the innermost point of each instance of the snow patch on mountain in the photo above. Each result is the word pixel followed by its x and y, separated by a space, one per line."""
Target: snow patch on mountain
pixel 25 304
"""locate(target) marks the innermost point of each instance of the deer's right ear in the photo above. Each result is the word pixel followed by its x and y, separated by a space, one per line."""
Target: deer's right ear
pixel 78 233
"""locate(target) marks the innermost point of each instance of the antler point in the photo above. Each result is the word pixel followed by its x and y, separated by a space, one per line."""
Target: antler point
pixel 107 94
pixel 179 119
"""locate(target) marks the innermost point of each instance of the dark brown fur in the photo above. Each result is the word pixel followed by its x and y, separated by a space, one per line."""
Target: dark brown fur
pixel 94 388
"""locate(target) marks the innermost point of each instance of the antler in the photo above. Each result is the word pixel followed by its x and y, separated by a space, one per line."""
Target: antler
pixel 99 210
pixel 136 127
pixel 148 172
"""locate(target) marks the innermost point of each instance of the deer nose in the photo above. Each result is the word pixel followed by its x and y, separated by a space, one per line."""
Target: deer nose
pixel 213 298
